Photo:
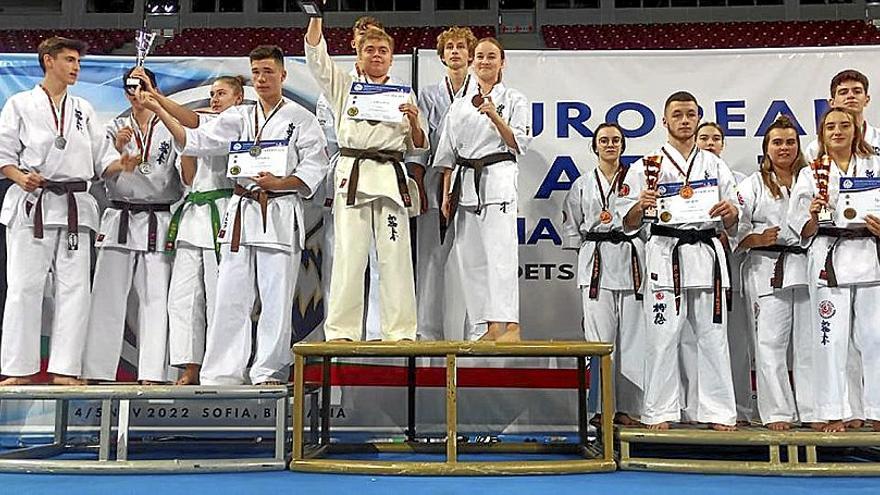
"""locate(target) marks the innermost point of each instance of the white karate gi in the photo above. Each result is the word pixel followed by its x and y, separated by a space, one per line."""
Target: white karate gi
pixel 432 255
pixel 714 397
pixel 268 259
pixel 378 215
pixel 27 136
pixel 132 265
pixel 843 317
pixel 780 316
pixel 486 241
pixel 193 290
pixel 615 315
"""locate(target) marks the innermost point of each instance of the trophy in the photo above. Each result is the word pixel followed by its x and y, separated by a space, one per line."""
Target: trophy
pixel 822 170
pixel 143 42
pixel 652 176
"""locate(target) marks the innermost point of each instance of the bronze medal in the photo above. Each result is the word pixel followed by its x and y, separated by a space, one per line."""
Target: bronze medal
pixel 686 192
pixel 849 213
pixel 665 216
pixel 605 216
pixel 477 100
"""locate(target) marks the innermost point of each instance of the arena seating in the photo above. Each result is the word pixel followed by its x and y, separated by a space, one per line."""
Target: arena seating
pixel 101 41
pixel 710 35
pixel 215 42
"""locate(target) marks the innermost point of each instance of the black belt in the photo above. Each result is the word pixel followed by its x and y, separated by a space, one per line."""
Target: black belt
pixel 838 234
pixel 614 237
pixel 395 158
pixel 477 165
pixel 260 196
pixel 69 189
pixel 779 266
pixel 687 236
pixel 127 208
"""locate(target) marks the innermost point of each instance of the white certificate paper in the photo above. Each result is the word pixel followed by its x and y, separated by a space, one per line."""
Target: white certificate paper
pixel 272 158
pixel 859 197
pixel 674 209
pixel 380 102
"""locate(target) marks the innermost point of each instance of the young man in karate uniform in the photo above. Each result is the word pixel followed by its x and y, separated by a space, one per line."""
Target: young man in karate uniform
pixel 51 145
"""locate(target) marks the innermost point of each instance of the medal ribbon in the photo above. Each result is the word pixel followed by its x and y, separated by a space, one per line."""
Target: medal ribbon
pixel 687 175
pixel 142 144
pixel 258 131
pixel 57 117
pixel 605 198
pixel 463 89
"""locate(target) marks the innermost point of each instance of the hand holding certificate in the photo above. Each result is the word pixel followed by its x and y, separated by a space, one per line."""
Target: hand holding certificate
pixel 687 203
pixel 376 102
pixel 247 159
pixel 858 198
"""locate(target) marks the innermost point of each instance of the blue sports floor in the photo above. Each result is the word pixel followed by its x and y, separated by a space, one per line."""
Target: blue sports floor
pixel 289 483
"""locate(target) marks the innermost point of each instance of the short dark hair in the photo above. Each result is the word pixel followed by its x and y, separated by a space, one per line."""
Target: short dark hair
pixel 264 52
pixel 606 125
pixel 53 46
pixel 848 75
pixel 150 75
pixel 713 125
pixel 682 96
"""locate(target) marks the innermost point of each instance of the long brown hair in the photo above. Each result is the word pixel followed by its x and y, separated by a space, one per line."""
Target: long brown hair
pixel 859 147
pixel 493 41
pixel 767 175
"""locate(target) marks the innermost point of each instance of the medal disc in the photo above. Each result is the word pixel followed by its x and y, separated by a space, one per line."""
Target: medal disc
pixel 687 192
pixel 145 168
pixel 665 216
pixel 605 216
pixel 255 150
pixel 60 142
pixel 849 213
pixel 477 100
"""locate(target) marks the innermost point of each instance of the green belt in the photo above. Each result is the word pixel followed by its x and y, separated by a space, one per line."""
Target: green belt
pixel 199 199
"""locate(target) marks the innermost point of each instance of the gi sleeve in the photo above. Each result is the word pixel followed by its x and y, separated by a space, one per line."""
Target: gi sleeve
pixel 444 155
pixel 802 195
pixel 103 140
pixel 411 149
pixel 324 113
pixel 748 195
pixel 10 130
pixel 519 121
pixel 727 188
pixel 310 147
pixel 632 186
pixel 212 137
pixel 332 80
pixel 420 156
pixel 573 215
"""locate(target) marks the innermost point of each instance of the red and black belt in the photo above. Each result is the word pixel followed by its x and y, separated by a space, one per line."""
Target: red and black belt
pixel 153 223
pixel 395 158
pixel 69 189
pixel 689 236
pixel 613 237
pixel 260 196
pixel 838 234
pixel 779 266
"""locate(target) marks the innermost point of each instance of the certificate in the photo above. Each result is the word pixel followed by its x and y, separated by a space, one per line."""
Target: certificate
pixel 379 102
pixel 678 205
pixel 859 197
pixel 247 159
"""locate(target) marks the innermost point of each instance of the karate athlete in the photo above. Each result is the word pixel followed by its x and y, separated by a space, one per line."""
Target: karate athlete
pixel 455 47
pixel 373 196
pixel 844 276
pixel 324 112
pixel 849 89
pixel 482 135
pixel 51 145
pixel 710 137
pixel 261 234
pixel 609 270
pixel 131 248
pixel 192 233
pixel 686 275
pixel 775 277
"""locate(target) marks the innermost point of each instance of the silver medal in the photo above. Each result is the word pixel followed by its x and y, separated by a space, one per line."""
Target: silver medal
pixel 60 142
pixel 255 150
pixel 145 167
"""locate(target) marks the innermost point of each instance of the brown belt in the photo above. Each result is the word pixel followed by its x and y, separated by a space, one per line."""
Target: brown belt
pixel 260 196
pixel 477 165
pixel 128 208
pixel 690 236
pixel 838 234
pixel 779 266
pixel 395 158
pixel 69 189
pixel 614 237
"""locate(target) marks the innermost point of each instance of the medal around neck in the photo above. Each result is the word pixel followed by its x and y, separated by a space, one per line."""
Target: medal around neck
pixel 146 168
pixel 255 150
pixel 60 142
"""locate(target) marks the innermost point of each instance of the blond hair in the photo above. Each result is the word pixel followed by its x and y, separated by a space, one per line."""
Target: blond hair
pixel 859 147
pixel 457 33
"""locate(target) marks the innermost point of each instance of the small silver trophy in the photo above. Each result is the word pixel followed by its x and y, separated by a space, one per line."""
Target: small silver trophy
pixel 143 43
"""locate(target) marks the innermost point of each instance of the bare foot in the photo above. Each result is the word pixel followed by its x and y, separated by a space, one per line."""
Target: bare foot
pixel 13 381
pixel 854 424
pixel 624 419
pixel 190 375
pixel 834 427
pixel 721 427
pixel 67 380
pixel 491 334
pixel 659 426
pixel 509 336
pixel 779 426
